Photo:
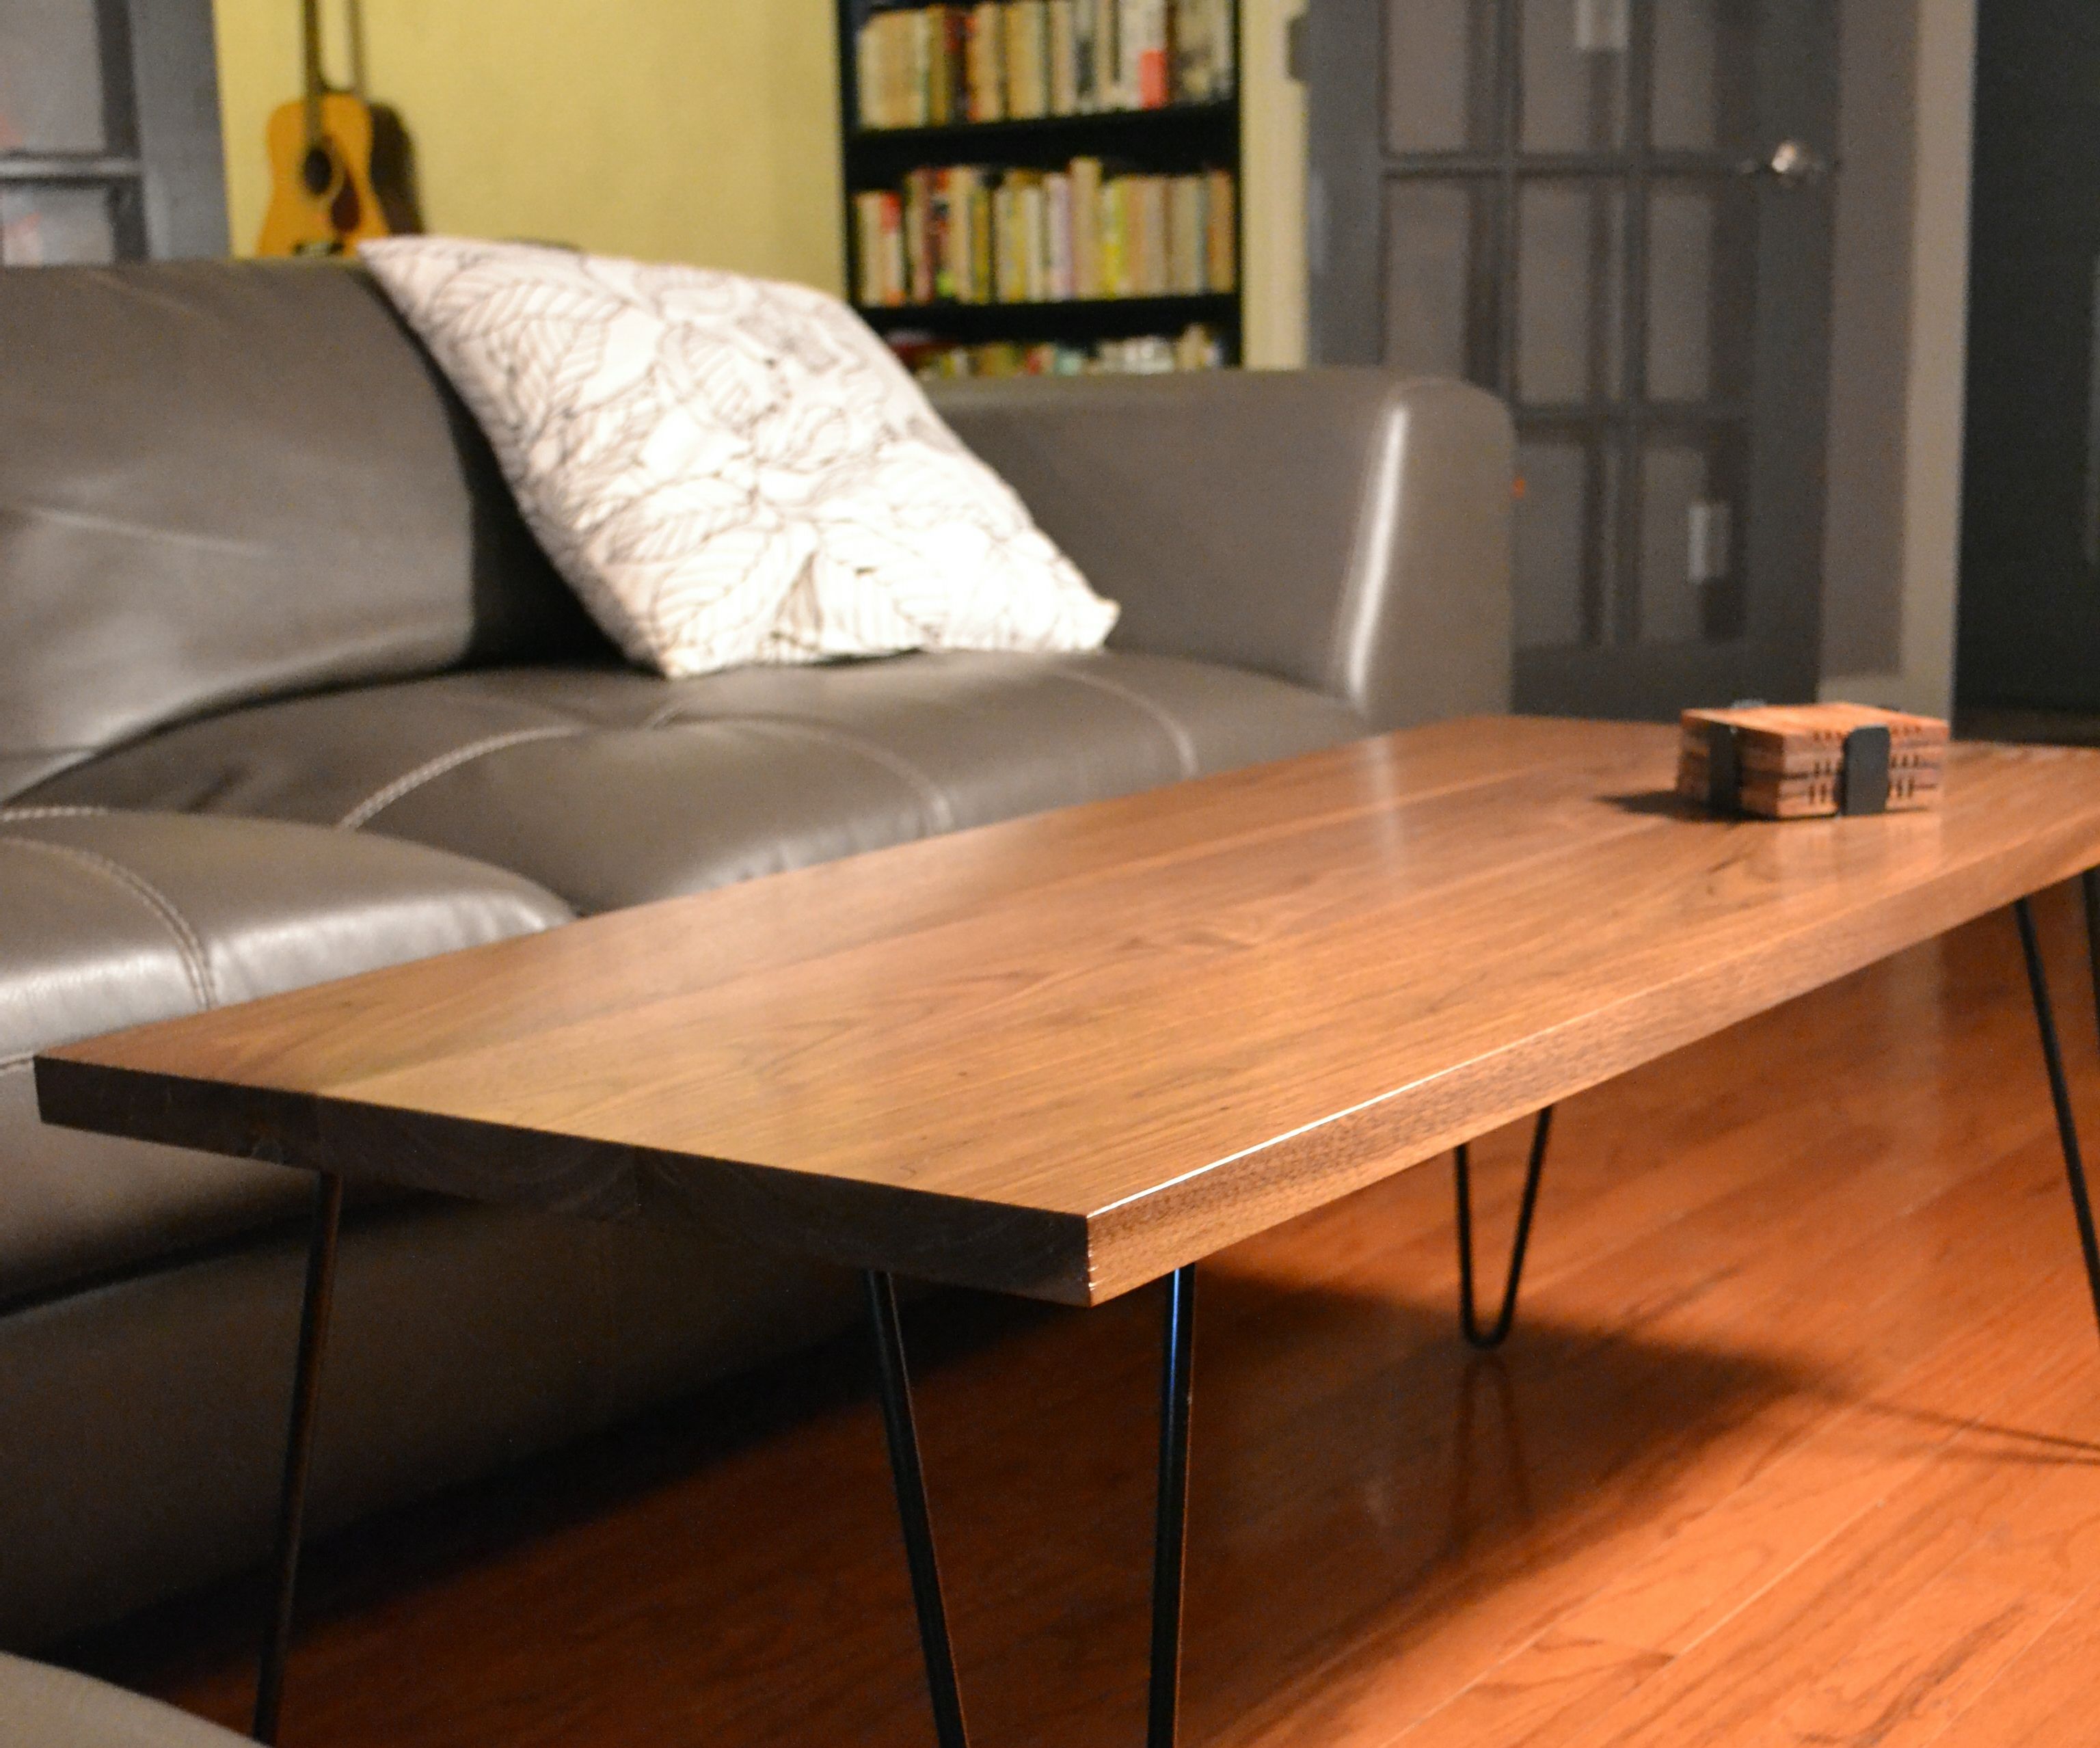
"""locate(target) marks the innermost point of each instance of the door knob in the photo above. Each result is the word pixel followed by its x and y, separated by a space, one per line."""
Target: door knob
pixel 1794 164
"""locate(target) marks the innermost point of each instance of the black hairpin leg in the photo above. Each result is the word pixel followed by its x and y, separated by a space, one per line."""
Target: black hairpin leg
pixel 895 1385
pixel 1170 1525
pixel 1164 1693
pixel 298 1451
pixel 2059 1091
pixel 1469 1316
pixel 2089 887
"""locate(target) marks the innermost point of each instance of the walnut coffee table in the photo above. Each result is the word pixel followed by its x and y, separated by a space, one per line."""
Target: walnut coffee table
pixel 1067 1056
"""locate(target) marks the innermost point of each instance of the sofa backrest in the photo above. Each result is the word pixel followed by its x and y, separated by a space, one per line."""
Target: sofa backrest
pixel 221 481
pixel 1348 529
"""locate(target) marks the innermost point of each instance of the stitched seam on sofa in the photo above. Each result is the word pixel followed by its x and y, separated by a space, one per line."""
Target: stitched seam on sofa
pixel 196 964
pixel 9 1064
pixel 1184 747
pixel 380 800
pixel 930 792
pixel 22 816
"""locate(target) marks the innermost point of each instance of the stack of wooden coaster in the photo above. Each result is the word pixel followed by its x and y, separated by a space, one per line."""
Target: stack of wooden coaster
pixel 1798 761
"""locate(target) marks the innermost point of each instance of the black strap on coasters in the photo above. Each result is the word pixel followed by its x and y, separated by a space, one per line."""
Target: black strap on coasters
pixel 1724 768
pixel 1863 785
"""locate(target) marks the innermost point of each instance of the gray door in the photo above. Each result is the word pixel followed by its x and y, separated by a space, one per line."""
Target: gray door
pixel 1616 213
pixel 109 132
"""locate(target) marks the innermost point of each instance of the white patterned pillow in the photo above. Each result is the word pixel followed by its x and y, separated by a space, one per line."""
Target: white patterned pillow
pixel 731 469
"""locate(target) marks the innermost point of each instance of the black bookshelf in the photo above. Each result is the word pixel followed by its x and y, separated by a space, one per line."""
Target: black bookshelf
pixel 1181 136
pixel 1178 138
pixel 1076 319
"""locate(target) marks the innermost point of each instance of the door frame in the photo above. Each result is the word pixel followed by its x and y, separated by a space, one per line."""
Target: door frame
pixel 163 164
pixel 1779 546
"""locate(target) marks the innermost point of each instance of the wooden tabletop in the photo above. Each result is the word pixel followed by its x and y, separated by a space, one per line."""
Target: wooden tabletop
pixel 1062 1056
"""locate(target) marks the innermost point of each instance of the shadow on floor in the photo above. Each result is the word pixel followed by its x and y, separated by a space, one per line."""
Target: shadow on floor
pixel 732 1564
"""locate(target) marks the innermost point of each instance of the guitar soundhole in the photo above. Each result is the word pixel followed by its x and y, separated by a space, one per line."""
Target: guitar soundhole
pixel 317 170
pixel 344 210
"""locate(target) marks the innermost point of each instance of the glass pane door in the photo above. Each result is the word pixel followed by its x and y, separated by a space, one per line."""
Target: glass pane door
pixel 1575 211
pixel 50 77
pixel 71 176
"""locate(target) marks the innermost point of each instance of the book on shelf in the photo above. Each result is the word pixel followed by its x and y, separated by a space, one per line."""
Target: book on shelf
pixel 1197 347
pixel 1027 60
pixel 1061 44
pixel 947 44
pixel 1141 41
pixel 984 69
pixel 878 240
pixel 1203 51
pixel 994 60
pixel 1084 177
pixel 1221 230
pixel 966 234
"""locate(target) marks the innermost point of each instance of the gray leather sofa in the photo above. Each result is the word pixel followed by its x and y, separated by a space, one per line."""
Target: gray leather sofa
pixel 286 691
pixel 43 1707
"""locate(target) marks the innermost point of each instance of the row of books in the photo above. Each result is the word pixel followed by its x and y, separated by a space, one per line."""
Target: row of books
pixel 968 235
pixel 1196 347
pixel 934 66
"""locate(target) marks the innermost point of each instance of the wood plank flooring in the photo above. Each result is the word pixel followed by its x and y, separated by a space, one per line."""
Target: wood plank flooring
pixel 1798 1442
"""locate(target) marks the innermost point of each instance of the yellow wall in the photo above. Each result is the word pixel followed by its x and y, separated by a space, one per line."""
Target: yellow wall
pixel 699 130
pixel 1273 172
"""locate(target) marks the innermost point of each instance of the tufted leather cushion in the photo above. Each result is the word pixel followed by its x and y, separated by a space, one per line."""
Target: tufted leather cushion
pixel 611 788
pixel 43 1707
pixel 223 480
pixel 114 920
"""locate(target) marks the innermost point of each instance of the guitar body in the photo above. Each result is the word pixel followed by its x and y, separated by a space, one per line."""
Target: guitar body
pixel 322 200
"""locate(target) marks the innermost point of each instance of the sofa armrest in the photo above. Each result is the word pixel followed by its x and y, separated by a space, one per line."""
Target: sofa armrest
pixel 43 1707
pixel 1348 529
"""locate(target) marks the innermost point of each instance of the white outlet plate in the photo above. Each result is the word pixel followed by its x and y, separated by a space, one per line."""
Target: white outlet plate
pixel 1710 537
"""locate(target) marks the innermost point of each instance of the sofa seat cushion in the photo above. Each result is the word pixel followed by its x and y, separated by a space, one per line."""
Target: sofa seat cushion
pixel 114 920
pixel 43 1707
pixel 612 788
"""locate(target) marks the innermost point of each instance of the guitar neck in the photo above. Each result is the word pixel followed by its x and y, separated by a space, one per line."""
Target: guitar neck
pixel 310 27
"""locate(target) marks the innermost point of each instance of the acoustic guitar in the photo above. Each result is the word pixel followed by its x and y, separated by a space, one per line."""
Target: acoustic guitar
pixel 339 167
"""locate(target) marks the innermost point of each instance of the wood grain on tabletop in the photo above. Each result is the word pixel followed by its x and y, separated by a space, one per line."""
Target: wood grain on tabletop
pixel 1061 1056
pixel 1797 1441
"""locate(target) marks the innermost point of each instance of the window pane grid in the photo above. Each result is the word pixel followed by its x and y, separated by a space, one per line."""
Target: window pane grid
pixel 52 223
pixel 1566 236
pixel 72 184
pixel 23 167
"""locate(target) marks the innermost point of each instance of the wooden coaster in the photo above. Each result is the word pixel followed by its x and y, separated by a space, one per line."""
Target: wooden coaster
pixel 1796 762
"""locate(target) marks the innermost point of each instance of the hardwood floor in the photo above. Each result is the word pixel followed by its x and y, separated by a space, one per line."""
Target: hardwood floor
pixel 1797 1441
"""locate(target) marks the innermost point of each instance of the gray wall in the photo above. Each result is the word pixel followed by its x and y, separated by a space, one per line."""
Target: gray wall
pixel 1898 340
pixel 1863 550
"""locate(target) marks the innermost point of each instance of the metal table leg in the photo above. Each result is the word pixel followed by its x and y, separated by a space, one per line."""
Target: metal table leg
pixel 2059 1092
pixel 1171 1516
pixel 298 1452
pixel 1469 1316
pixel 895 1385
pixel 1170 1537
